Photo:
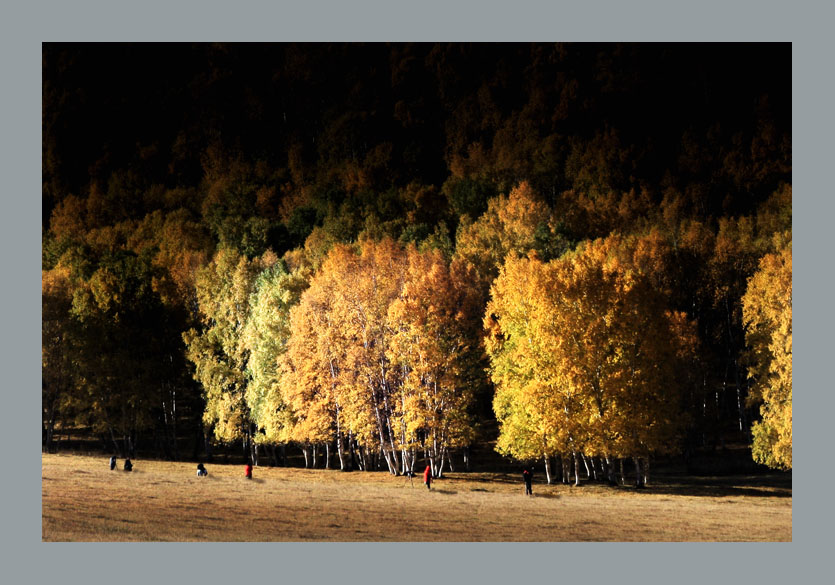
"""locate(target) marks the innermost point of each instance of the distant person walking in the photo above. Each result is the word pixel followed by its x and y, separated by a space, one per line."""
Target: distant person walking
pixel 248 470
pixel 201 471
pixel 112 463
pixel 527 475
pixel 427 477
pixel 128 465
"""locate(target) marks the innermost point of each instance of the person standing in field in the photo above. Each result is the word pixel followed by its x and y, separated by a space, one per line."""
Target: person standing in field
pixel 527 475
pixel 201 471
pixel 427 477
pixel 112 463
pixel 248 470
pixel 128 465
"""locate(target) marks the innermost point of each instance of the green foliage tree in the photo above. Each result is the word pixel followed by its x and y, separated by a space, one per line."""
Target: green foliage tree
pixel 266 333
pixel 59 335
pixel 122 356
pixel 218 352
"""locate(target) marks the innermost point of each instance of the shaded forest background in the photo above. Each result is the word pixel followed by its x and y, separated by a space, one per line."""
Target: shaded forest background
pixel 158 158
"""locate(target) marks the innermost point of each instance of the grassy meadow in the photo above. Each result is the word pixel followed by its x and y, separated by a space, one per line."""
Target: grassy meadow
pixel 82 500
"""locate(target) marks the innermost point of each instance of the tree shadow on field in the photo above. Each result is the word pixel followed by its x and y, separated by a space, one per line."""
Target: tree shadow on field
pixel 501 478
pixel 514 479
pixel 762 486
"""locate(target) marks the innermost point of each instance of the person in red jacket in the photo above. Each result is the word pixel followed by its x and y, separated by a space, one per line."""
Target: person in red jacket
pixel 249 470
pixel 427 477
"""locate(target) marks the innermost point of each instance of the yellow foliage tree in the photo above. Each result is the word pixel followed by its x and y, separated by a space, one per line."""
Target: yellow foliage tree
pixel 585 355
pixel 510 224
pixel 767 314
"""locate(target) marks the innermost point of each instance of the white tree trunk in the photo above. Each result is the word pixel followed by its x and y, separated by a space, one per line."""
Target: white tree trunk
pixel 576 469
pixel 340 451
pixel 360 457
pixel 381 425
pixel 392 454
pixel 441 463
pixel 547 468
pixel 638 475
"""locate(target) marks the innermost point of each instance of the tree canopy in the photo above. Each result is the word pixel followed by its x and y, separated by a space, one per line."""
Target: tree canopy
pixel 398 251
pixel 767 310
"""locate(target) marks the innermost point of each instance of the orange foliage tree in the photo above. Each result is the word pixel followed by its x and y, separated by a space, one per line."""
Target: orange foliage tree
pixel 435 345
pixel 375 355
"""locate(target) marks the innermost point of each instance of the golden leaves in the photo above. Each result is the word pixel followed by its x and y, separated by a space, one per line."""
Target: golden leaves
pixel 377 343
pixel 767 314
pixel 583 353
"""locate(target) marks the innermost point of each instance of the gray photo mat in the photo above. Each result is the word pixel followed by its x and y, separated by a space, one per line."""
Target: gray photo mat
pixel 26 25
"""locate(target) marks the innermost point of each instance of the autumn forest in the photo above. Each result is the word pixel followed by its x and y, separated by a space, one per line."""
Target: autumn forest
pixel 382 256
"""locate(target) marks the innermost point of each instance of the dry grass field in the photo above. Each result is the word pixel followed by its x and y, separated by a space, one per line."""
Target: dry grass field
pixel 82 500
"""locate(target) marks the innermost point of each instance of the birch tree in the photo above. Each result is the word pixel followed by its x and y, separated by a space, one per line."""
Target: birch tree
pixel 381 355
pixel 584 355
pixel 767 313
pixel 516 222
pixel 434 344
pixel 265 337
pixel 218 352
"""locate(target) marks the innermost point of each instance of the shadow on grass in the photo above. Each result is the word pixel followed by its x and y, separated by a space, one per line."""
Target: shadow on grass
pixel 767 485
pixel 503 478
pixel 449 492
pixel 763 486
